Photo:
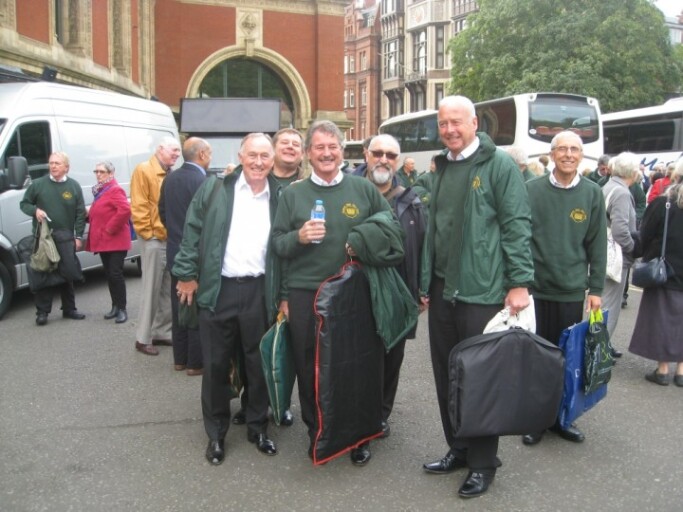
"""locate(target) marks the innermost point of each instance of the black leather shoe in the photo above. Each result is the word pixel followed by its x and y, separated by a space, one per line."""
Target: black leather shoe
pixel 112 314
pixel 263 444
pixel 386 430
pixel 616 354
pixel 240 418
pixel 532 439
pixel 287 418
pixel 361 456
pixel 449 463
pixel 41 318
pixel 475 485
pixel 658 378
pixel 215 452
pixel 571 433
pixel 73 315
pixel 121 316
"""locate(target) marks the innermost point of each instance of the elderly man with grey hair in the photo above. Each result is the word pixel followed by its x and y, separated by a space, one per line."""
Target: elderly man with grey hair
pixel 621 218
pixel 521 158
pixel 569 246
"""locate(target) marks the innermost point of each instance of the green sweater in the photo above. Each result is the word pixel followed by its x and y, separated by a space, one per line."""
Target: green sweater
pixel 346 205
pixel 63 203
pixel 569 240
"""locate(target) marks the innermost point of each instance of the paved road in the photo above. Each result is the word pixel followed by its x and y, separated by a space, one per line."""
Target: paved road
pixel 89 424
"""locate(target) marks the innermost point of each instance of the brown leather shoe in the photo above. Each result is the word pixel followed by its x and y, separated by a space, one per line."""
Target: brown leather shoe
pixel 146 349
pixel 162 343
pixel 194 371
pixel 179 367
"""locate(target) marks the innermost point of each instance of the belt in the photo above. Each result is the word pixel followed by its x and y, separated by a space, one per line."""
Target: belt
pixel 243 279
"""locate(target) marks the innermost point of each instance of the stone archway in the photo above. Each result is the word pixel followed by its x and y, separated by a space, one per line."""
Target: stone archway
pixel 285 70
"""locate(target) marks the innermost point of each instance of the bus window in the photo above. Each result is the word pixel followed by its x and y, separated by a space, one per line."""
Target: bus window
pixel 549 115
pixel 656 136
pixel 499 120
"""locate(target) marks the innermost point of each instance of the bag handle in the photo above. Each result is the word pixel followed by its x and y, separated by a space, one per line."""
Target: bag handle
pixel 666 227
pixel 596 317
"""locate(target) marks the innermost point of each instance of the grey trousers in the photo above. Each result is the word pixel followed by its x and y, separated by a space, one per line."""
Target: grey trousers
pixel 154 320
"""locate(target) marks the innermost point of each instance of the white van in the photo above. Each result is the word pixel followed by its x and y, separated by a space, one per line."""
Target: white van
pixel 90 126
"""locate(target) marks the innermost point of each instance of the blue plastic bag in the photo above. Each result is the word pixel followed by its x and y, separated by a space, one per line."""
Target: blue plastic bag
pixel 574 401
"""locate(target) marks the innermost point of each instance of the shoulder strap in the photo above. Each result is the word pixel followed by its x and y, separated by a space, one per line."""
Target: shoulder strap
pixel 666 226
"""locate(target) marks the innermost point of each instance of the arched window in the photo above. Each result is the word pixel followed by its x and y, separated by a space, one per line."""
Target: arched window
pixel 246 78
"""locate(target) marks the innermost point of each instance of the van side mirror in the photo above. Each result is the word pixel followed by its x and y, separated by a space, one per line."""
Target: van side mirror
pixel 17 171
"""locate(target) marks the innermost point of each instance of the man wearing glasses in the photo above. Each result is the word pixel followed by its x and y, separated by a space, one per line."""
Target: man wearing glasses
pixel 382 159
pixel 569 246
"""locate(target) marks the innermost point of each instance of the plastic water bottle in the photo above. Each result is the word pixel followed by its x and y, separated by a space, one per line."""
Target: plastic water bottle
pixel 318 213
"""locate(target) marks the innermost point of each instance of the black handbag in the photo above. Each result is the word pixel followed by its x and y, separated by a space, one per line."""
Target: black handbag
pixel 654 273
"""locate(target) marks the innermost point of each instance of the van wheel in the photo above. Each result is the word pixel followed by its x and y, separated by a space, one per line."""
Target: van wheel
pixel 6 290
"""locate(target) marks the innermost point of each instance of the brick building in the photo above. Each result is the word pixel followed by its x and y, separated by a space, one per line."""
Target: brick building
pixel 170 49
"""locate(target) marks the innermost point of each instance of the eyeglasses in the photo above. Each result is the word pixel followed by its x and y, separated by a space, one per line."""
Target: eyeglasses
pixel 379 154
pixel 567 149
pixel 97 171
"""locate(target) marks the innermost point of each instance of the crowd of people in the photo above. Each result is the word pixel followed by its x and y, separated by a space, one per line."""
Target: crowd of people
pixel 481 231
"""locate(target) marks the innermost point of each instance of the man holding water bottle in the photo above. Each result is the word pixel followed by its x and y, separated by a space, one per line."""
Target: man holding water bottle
pixel 314 249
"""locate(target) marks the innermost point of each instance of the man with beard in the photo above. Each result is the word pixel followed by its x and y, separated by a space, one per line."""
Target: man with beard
pixel 382 160
pixel 313 250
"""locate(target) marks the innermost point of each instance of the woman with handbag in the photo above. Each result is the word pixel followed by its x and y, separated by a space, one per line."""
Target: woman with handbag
pixel 621 219
pixel 658 333
pixel 110 235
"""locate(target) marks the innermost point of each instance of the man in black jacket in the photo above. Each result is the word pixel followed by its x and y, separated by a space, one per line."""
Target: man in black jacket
pixel 177 191
pixel 382 161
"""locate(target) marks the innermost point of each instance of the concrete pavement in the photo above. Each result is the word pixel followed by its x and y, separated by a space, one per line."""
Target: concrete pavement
pixel 89 424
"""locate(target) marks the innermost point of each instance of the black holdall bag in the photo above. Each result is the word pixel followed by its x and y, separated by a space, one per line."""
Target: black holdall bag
pixel 654 273
pixel 504 383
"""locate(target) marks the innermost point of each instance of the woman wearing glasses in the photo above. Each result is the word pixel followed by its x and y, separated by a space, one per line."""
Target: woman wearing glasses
pixel 110 235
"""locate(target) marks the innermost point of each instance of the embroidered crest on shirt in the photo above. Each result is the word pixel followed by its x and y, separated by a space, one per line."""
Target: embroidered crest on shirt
pixel 578 215
pixel 67 195
pixel 476 183
pixel 350 210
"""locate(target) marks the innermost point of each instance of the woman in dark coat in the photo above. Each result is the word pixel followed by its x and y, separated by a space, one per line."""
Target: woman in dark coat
pixel 658 333
pixel 110 235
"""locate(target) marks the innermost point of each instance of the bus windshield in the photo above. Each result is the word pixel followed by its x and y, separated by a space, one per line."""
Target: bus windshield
pixel 549 115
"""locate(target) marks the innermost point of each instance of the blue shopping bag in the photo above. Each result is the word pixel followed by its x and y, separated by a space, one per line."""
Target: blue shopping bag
pixel 574 401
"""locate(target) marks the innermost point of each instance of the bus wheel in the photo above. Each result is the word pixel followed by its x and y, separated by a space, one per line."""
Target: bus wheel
pixel 6 290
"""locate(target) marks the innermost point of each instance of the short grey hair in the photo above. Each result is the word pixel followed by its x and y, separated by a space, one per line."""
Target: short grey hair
pixel 459 101
pixel 323 126
pixel 519 155
pixel 385 137
pixel 626 165
pixel 566 133
pixel 107 165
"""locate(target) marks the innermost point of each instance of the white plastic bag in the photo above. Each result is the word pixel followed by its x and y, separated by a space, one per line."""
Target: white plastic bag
pixel 525 319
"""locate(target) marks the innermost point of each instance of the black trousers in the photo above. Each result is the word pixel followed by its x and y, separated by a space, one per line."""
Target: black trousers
pixel 43 298
pixel 554 317
pixel 392 368
pixel 239 317
pixel 449 324
pixel 187 348
pixel 112 261
pixel 302 322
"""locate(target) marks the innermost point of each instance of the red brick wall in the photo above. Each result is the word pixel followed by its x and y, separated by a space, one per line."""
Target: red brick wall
pixel 100 33
pixel 33 19
pixel 186 35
